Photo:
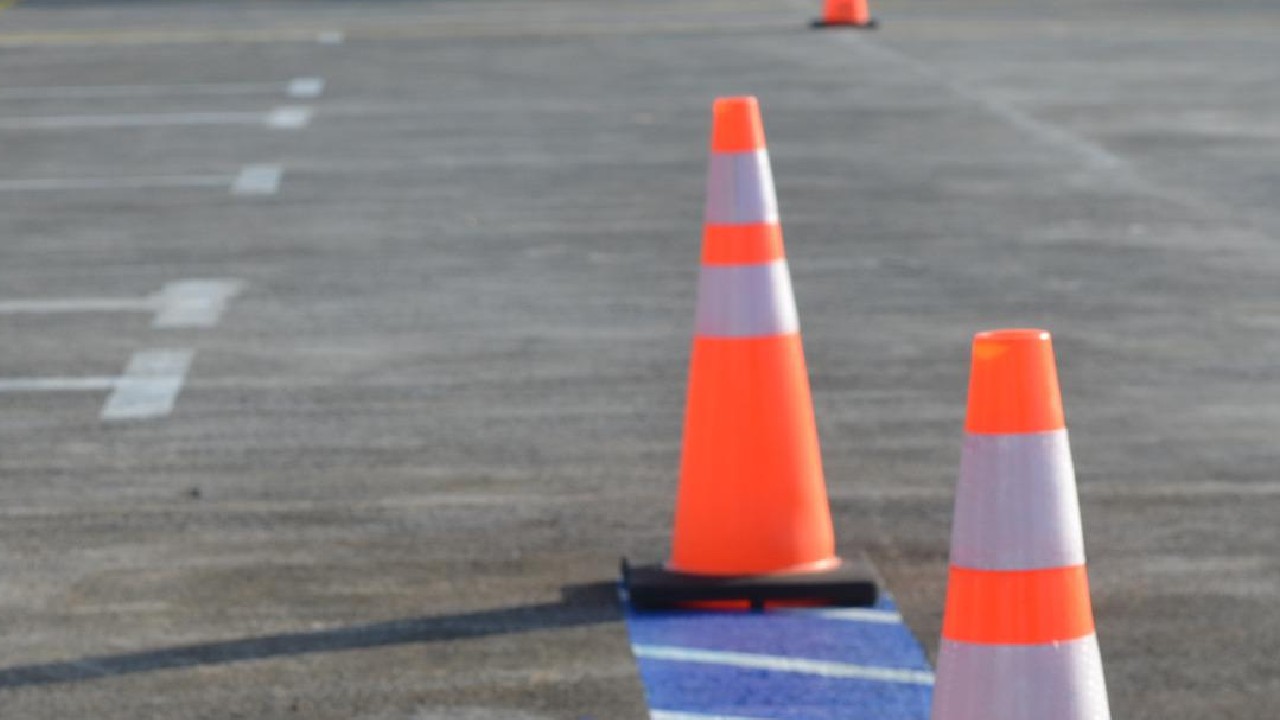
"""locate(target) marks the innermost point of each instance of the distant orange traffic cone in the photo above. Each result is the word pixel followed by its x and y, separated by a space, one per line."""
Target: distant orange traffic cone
pixel 752 519
pixel 1018 638
pixel 846 13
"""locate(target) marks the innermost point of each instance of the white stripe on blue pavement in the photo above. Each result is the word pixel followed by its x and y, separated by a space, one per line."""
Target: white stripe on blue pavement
pixel 824 668
pixel 870 615
pixel 664 715
pixel 795 664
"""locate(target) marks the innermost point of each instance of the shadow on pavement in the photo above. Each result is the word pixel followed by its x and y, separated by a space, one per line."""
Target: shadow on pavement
pixel 580 605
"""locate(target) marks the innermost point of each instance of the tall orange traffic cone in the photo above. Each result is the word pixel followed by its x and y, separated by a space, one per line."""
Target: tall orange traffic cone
pixel 1018 639
pixel 846 13
pixel 752 519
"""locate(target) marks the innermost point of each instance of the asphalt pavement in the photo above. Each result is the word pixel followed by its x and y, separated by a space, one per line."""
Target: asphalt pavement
pixel 344 343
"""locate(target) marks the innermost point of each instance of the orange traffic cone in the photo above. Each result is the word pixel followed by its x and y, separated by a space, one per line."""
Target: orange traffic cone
pixel 1018 638
pixel 846 13
pixel 752 519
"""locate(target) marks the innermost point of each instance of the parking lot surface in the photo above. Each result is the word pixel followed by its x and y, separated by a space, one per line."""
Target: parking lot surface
pixel 344 343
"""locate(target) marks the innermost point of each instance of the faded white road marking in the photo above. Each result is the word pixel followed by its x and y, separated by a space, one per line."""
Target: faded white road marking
pixel 306 87
pixel 194 303
pixel 149 386
pixel 110 92
pixel 180 304
pixel 114 183
pixel 823 668
pixel 56 384
pixel 1094 155
pixel 289 117
pixel 331 37
pixel 74 305
pixel 139 120
pixel 258 180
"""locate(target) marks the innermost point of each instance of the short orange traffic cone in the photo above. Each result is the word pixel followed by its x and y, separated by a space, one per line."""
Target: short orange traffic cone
pixel 1018 637
pixel 847 14
pixel 752 519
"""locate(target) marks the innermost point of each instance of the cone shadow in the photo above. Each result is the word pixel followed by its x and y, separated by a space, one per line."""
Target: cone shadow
pixel 579 606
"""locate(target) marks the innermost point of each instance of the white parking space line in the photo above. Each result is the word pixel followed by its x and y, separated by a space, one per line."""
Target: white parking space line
pixel 306 87
pixel 81 122
pixel 75 305
pixel 180 304
pixel 150 385
pixel 289 117
pixel 56 384
pixel 148 388
pixel 297 87
pixel 261 179
pixel 258 180
pixel 114 183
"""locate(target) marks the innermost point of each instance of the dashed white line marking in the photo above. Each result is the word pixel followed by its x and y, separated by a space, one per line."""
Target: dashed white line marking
pixel 150 385
pixel 289 117
pixel 823 668
pixel 306 87
pixel 194 303
pixel 331 37
pixel 258 180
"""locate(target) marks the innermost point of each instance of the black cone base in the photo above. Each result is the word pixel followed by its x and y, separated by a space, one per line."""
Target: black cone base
pixel 871 24
pixel 653 587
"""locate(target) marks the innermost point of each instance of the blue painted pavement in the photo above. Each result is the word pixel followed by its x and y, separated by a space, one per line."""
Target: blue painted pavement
pixel 820 664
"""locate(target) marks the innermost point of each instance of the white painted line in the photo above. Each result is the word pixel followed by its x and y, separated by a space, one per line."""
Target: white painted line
pixel 822 668
pixel 675 715
pixel 289 117
pixel 180 304
pixel 866 615
pixel 331 37
pixel 194 303
pixel 54 384
pixel 81 122
pixel 258 180
pixel 306 87
pixel 114 183
pixel 75 305
pixel 109 92
pixel 149 386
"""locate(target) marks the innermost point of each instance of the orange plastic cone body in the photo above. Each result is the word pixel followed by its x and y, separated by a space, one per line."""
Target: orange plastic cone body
pixel 1018 638
pixel 846 12
pixel 752 497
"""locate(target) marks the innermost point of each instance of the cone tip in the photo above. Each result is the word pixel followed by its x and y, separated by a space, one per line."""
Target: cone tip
pixel 1013 383
pixel 736 125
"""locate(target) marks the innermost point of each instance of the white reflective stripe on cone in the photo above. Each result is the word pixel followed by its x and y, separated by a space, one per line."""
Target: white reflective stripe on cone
pixel 740 189
pixel 746 300
pixel 1058 681
pixel 1016 505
